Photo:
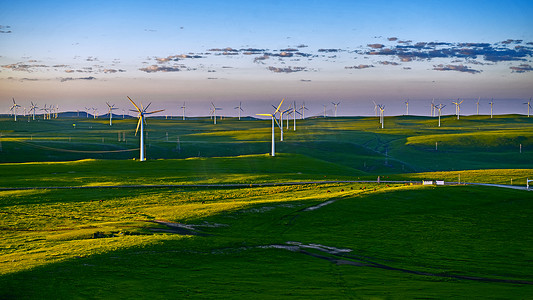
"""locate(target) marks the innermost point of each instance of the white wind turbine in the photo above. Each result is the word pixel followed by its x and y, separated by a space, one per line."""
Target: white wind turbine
pixel 376 109
pixel 439 108
pixel 56 111
pixel 141 115
pixel 303 109
pixel 528 106
pixel 32 108
pixel 14 108
pixel 491 103
pixel 407 107
pixel 457 108
pixel 95 112
pixel 183 110
pixel 273 116
pixel 239 109
pixel 433 107
pixel 381 113
pixel 280 124
pixel 111 108
pixel 294 116
pixel 335 104
pixel 214 112
pixel 477 106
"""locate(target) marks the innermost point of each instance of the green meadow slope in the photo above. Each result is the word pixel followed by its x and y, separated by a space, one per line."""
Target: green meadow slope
pixel 328 240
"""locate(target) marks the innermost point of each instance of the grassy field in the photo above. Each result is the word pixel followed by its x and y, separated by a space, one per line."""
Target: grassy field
pixel 335 241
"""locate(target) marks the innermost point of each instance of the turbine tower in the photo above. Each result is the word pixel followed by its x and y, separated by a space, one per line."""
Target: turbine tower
pixel 214 112
pixel 142 112
pixel 14 108
pixel 381 119
pixel 528 106
pixel 335 104
pixel 303 109
pixel 457 108
pixel 32 108
pixel 111 108
pixel 376 109
pixel 183 110
pixel 433 107
pixel 407 107
pixel 239 109
pixel 273 116
pixel 477 106
pixel 439 108
pixel 294 116
pixel 491 103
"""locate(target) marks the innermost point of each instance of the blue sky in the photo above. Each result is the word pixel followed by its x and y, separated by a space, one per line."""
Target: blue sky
pixel 77 54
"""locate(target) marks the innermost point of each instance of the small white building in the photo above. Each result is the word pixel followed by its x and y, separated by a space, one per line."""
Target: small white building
pixel 427 182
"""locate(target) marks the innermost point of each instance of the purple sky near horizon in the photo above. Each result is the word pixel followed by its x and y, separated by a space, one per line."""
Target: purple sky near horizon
pixel 168 52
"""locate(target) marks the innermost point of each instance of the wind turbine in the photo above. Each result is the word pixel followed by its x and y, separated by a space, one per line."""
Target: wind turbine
pixel 56 111
pixel 142 112
pixel 239 109
pixel 457 108
pixel 407 107
pixel 294 116
pixel 439 108
pixel 528 106
pixel 86 111
pixel 381 119
pixel 477 106
pixel 214 112
pixel 183 110
pixel 280 124
pixel 273 116
pixel 111 108
pixel 32 108
pixel 335 104
pixel 324 110
pixel 376 109
pixel 14 108
pixel 94 112
pixel 491 103
pixel 433 107
pixel 303 109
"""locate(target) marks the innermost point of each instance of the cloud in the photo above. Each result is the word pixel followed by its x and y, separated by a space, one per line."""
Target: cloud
pixel 177 57
pixel 156 68
pixel 329 50
pixel 5 29
pixel 522 68
pixel 359 67
pixel 113 70
pixel 392 39
pixel 459 68
pixel 286 70
pixel 376 46
pixel 391 63
pixel 23 67
pixel 63 79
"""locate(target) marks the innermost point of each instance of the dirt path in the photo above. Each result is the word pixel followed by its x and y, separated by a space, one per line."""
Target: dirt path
pixel 343 257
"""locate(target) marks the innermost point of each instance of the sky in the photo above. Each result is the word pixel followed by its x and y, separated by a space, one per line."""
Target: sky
pixel 78 54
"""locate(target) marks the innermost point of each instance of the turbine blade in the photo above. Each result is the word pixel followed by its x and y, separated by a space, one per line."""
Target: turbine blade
pixel 147 107
pixel 268 115
pixel 277 109
pixel 138 109
pixel 153 112
pixel 138 124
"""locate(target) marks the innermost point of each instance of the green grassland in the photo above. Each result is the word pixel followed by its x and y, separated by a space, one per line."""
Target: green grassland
pixel 395 240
